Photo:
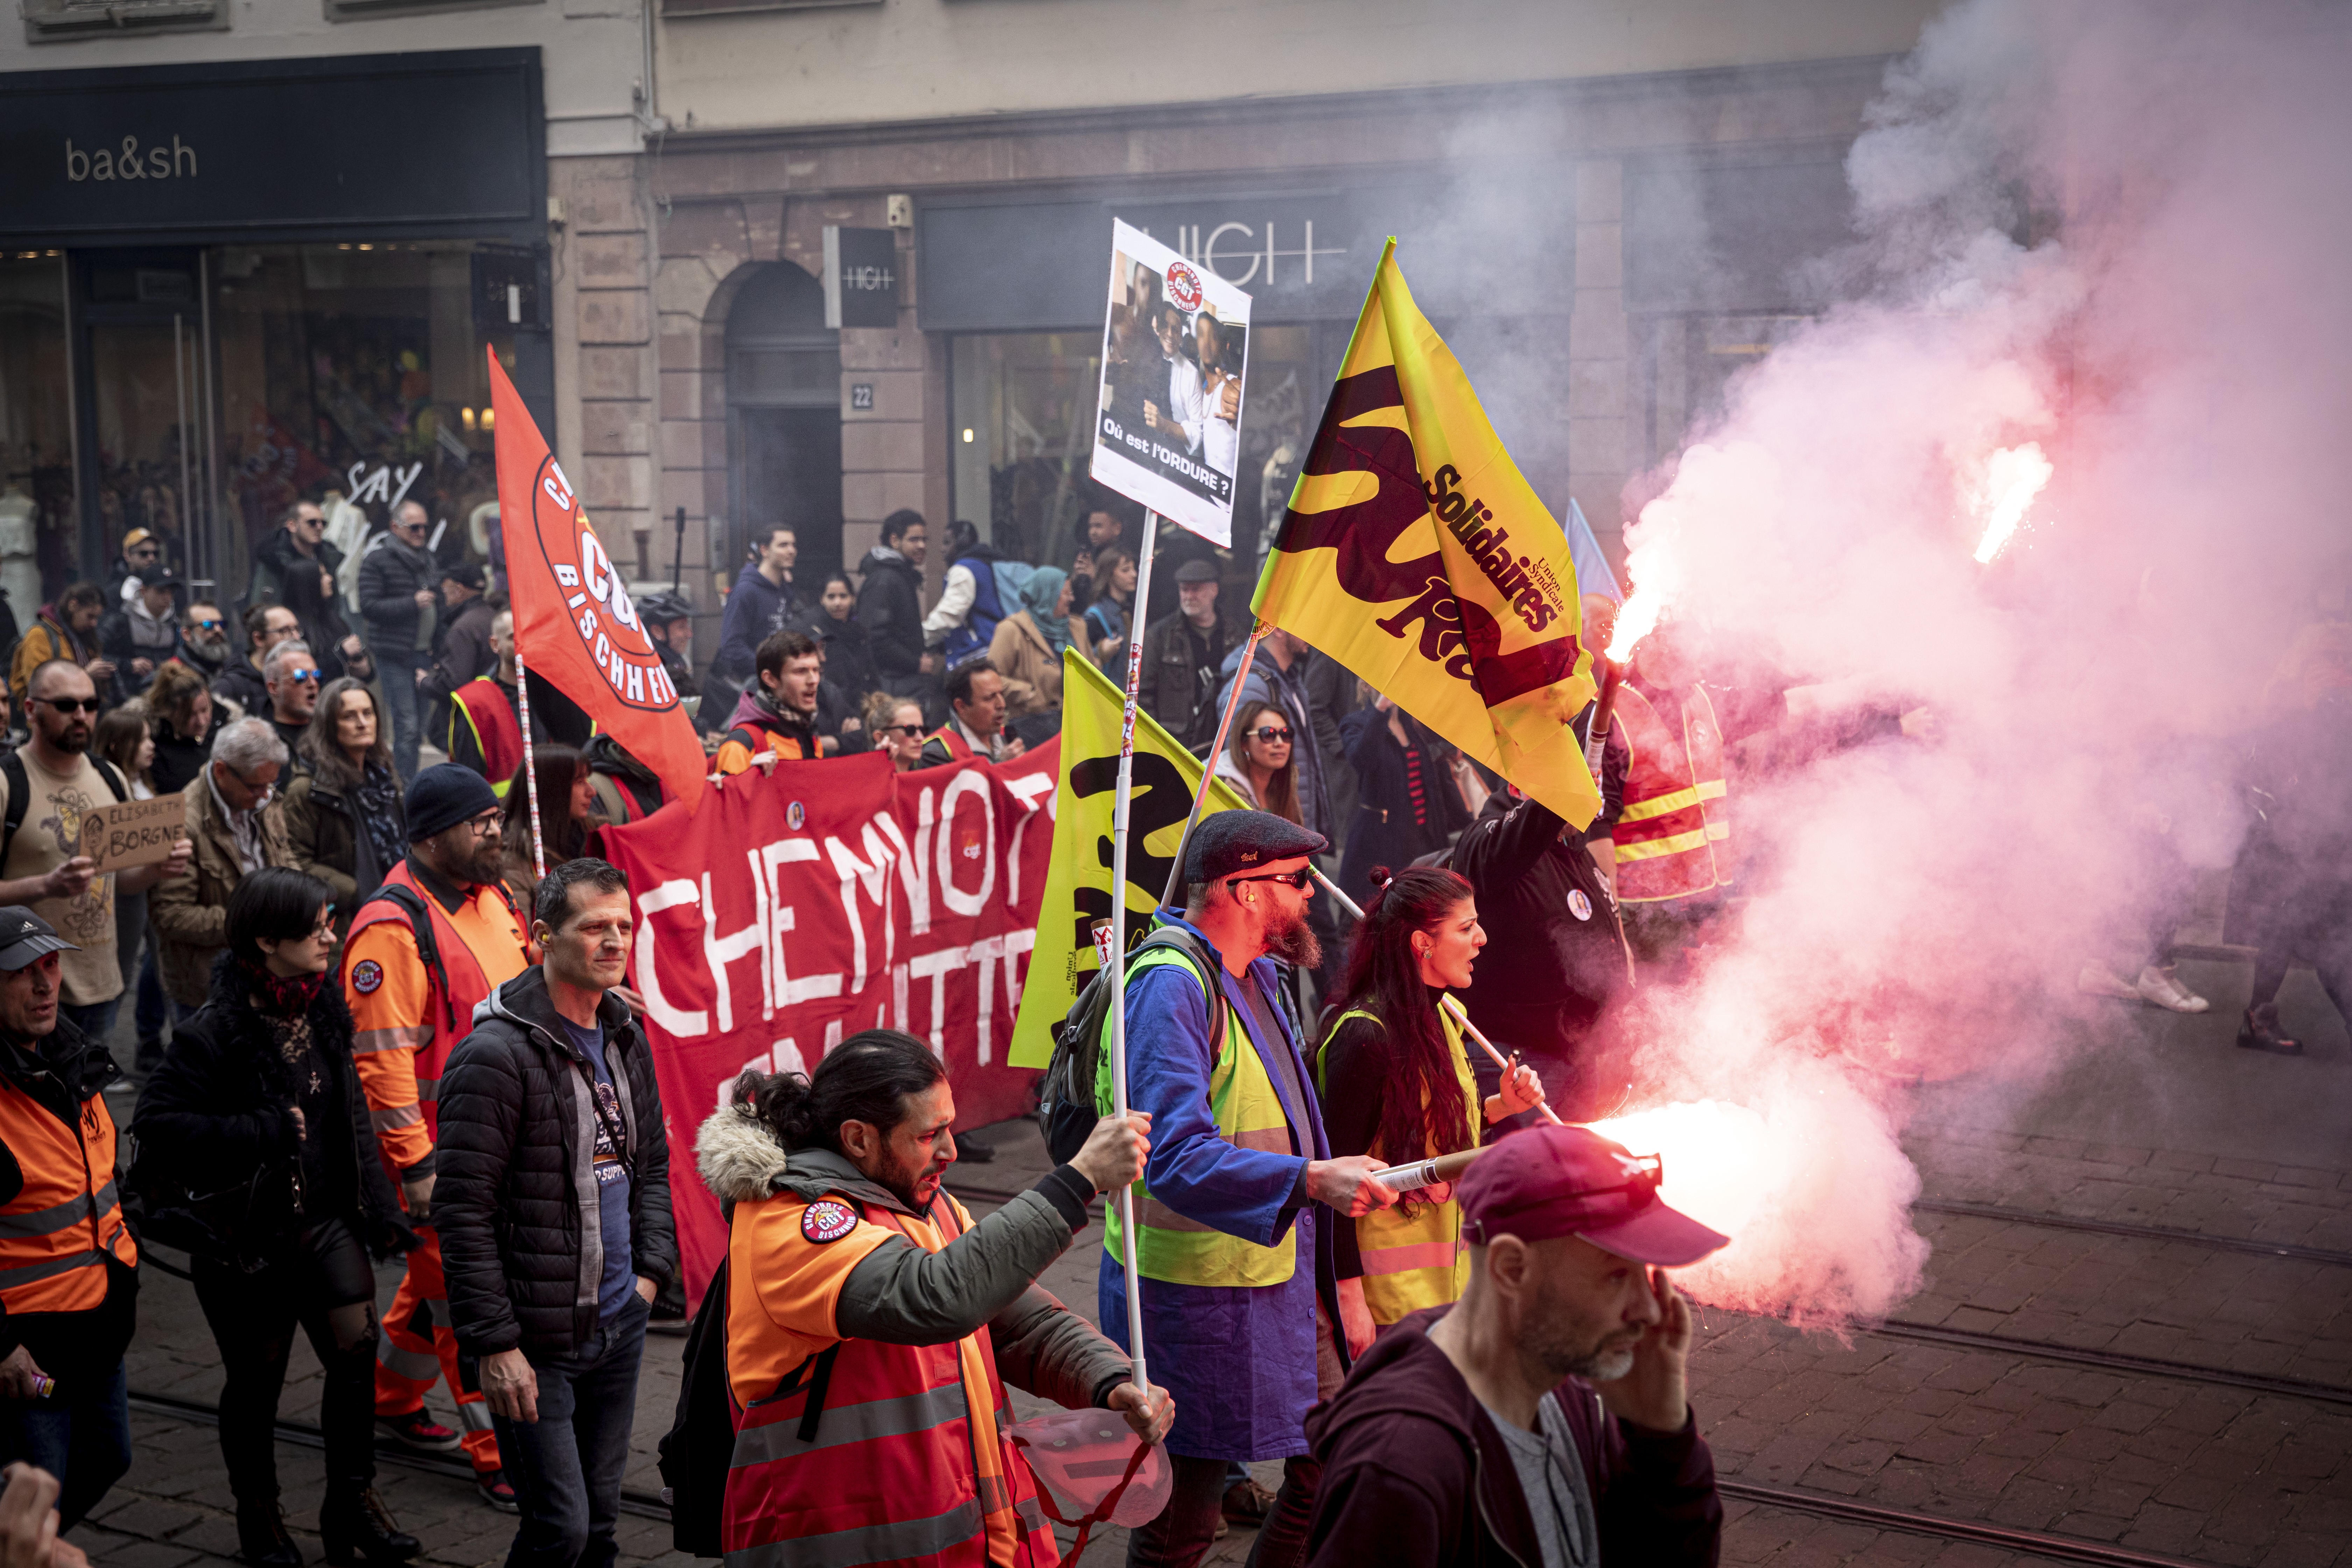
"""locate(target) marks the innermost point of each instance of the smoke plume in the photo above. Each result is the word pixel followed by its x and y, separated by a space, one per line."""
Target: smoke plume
pixel 2114 233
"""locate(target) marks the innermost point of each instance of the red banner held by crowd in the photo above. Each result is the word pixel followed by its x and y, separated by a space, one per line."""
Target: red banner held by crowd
pixel 795 909
pixel 574 623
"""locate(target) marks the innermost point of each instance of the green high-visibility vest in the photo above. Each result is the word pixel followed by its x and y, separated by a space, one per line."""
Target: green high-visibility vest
pixel 1250 1116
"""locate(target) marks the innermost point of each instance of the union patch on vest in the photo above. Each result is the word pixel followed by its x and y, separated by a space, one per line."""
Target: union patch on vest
pixel 1578 905
pixel 366 975
pixel 827 1219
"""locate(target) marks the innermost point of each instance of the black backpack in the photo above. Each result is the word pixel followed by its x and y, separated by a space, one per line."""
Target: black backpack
pixel 700 1444
pixel 1066 1110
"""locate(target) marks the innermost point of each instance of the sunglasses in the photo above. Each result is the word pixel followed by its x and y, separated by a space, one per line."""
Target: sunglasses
pixel 70 706
pixel 1269 734
pixel 206 625
pixel 307 677
pixel 1298 878
pixel 909 730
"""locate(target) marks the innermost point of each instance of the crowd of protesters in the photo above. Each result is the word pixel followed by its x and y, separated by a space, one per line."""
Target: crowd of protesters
pixel 368 1031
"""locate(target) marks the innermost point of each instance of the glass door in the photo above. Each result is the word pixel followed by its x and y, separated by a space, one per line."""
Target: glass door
pixel 145 458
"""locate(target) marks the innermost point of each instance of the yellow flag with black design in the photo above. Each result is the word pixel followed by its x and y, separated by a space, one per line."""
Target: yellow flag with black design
pixel 1415 555
pixel 1077 882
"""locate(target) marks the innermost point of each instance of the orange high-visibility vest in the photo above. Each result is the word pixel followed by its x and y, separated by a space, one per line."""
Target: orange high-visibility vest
pixel 863 1452
pixel 1673 836
pixel 454 982
pixel 744 742
pixel 57 1232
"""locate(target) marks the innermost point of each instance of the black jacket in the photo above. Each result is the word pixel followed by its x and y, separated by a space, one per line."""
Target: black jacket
pixel 1547 972
pixel 848 652
pixel 1174 690
pixel 221 1105
pixel 179 758
pixel 890 608
pixel 391 572
pixel 465 650
pixel 272 556
pixel 242 684
pixel 1384 832
pixel 1415 1471
pixel 119 634
pixel 517 1173
pixel 75 1348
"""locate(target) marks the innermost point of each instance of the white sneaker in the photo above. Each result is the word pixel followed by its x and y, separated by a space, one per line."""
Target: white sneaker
pixel 2159 987
pixel 2098 980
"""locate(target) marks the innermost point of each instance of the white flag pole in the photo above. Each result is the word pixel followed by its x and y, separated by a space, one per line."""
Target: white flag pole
pixel 531 762
pixel 1118 930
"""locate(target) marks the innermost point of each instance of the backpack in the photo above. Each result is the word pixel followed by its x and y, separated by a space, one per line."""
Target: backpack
pixel 700 1444
pixel 1066 1110
pixel 20 793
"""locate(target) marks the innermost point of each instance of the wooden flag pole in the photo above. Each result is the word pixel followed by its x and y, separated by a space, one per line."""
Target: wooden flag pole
pixel 531 762
pixel 1446 998
pixel 1118 933
pixel 1209 763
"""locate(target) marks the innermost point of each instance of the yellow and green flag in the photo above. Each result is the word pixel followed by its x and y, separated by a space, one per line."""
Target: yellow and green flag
pixel 1415 555
pixel 1078 884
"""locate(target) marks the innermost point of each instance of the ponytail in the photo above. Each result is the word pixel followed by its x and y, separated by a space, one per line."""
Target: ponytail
pixel 867 1078
pixel 1422 1106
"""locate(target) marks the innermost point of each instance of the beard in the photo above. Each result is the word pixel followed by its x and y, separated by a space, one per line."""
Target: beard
pixel 73 739
pixel 1294 941
pixel 1567 1342
pixel 906 1180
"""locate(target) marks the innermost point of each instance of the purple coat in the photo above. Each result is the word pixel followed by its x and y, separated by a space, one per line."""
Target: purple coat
pixel 1414 1471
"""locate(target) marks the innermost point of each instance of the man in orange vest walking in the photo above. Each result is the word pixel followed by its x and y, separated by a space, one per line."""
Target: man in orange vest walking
pixel 428 945
pixel 69 1289
pixel 871 1325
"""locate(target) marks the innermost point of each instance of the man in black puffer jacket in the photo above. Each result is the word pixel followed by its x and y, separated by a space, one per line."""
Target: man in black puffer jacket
pixel 553 1204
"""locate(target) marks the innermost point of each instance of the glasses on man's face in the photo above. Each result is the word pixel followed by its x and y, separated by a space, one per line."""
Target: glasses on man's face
pixel 306 676
pixel 1298 878
pixel 261 791
pixel 487 825
pixel 70 706
pixel 206 625
pixel 1270 733
pixel 143 555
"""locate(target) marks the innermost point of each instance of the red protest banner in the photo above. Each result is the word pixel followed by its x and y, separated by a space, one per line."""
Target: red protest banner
pixel 795 909
pixel 574 623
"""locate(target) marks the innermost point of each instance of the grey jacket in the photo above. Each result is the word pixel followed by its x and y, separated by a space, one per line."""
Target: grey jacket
pixel 902 1295
pixel 393 624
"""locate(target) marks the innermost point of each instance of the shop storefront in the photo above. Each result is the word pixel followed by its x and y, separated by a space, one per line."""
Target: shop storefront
pixel 222 286
pixel 1014 279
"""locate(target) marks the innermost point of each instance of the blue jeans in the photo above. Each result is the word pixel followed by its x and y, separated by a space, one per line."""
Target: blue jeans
pixel 566 1466
pixel 407 705
pixel 83 1440
pixel 96 1020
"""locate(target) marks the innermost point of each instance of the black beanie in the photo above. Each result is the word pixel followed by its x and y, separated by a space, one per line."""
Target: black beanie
pixel 444 795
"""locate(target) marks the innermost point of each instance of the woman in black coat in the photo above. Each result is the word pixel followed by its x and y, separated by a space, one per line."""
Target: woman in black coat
pixel 1407 804
pixel 260 1088
pixel 848 656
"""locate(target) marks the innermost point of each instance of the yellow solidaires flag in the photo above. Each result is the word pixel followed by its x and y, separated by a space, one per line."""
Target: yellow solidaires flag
pixel 1415 555
pixel 1078 884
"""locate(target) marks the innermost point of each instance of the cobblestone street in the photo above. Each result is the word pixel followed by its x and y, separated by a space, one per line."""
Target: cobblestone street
pixel 1930 1413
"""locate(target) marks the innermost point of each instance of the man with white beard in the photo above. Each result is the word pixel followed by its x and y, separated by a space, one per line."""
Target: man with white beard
pixel 1542 1418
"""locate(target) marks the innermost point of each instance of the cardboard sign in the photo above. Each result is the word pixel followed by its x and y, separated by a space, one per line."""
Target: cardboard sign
pixel 133 833
pixel 1168 427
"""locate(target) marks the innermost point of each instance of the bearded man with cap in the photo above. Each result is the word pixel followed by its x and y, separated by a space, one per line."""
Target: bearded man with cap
pixel 425 948
pixel 68 1281
pixel 1239 1292
pixel 1542 1418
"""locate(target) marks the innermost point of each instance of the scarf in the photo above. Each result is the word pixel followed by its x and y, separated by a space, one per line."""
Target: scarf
pixel 375 800
pixel 1037 597
pixel 284 1002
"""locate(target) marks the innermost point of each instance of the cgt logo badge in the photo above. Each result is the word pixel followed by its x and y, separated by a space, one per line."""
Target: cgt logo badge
pixel 602 612
pixel 1183 287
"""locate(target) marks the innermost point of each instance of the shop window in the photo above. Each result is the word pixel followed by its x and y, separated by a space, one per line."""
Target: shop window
pixel 60 21
pixel 37 486
pixel 357 368
pixel 361 10
pixel 1021 432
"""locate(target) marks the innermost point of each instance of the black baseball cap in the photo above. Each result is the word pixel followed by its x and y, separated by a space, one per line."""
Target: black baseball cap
pixel 26 936
pixel 467 574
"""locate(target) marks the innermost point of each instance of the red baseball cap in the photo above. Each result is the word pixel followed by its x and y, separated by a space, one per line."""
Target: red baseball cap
pixel 1548 1181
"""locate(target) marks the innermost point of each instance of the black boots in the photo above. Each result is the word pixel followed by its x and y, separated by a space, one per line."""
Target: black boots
pixel 261 1536
pixel 2260 1032
pixel 355 1524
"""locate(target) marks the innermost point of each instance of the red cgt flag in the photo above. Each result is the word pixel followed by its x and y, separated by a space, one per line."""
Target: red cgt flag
pixel 574 624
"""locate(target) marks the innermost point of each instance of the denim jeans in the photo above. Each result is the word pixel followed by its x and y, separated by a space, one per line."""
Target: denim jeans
pixel 407 705
pixel 566 1466
pixel 96 1020
pixel 84 1440
pixel 152 1009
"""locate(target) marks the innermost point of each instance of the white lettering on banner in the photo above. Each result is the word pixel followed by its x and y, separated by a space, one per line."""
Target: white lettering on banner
pixel 787 990
pixel 1026 789
pixel 719 952
pixel 1016 942
pixel 680 1023
pixel 1007 947
pixel 914 866
pixel 784 1056
pixel 873 874
pixel 971 781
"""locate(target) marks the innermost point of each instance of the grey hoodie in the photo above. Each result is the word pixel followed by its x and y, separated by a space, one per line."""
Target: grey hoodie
pixel 902 1295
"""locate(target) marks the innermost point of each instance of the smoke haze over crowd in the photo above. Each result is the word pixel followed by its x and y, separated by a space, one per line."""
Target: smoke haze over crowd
pixel 2114 233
